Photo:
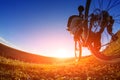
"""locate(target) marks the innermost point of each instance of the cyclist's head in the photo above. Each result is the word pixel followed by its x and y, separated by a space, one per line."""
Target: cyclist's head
pixel 80 8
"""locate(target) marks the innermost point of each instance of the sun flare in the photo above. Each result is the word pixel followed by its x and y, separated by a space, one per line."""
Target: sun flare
pixel 65 53
pixel 62 53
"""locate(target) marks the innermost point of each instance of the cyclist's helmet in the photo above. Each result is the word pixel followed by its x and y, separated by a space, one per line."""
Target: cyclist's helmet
pixel 80 8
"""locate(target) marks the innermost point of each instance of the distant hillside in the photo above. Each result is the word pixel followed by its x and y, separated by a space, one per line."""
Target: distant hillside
pixel 7 43
pixel 114 47
pixel 12 53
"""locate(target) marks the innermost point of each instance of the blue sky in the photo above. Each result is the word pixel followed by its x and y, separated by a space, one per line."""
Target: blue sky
pixel 38 26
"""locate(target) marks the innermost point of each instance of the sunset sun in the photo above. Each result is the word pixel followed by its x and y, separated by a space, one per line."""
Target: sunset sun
pixel 62 53
pixel 65 53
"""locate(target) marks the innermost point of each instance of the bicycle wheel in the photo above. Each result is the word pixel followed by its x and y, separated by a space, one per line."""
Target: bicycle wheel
pixel 78 50
pixel 109 49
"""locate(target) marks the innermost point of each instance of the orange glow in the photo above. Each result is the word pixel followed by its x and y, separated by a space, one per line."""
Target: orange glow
pixel 48 46
pixel 62 53
pixel 85 52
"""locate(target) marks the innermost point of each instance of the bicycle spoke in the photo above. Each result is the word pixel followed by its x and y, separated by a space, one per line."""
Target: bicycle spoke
pixel 108 5
pixel 100 2
pixel 102 5
pixel 114 5
pixel 117 22
pixel 94 5
pixel 116 16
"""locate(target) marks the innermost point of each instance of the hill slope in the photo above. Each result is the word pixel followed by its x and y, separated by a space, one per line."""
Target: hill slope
pixel 12 53
pixel 114 46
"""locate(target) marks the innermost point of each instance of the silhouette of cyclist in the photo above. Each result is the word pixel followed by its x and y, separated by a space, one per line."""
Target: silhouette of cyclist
pixel 105 21
pixel 77 29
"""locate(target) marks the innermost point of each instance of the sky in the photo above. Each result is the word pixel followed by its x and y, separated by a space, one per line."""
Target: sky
pixel 39 26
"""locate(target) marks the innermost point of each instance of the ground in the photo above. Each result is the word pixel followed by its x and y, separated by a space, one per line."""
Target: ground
pixel 87 69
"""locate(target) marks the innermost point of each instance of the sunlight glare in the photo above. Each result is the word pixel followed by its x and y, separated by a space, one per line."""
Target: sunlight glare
pixel 85 52
pixel 62 53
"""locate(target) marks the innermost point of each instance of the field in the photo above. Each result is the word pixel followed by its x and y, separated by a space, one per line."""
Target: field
pixel 87 69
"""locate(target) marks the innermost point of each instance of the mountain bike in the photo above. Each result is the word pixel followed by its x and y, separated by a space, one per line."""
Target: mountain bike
pixel 107 45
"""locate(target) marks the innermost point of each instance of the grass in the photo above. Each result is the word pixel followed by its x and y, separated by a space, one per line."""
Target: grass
pixel 87 69
pixel 114 47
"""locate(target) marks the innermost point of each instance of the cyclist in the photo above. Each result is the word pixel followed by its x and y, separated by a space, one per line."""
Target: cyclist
pixel 77 28
pixel 105 21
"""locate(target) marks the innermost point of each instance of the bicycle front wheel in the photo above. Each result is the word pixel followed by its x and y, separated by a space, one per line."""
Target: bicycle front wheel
pixel 78 50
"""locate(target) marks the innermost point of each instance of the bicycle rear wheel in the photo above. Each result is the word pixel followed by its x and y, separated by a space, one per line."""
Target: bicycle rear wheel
pixel 109 50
